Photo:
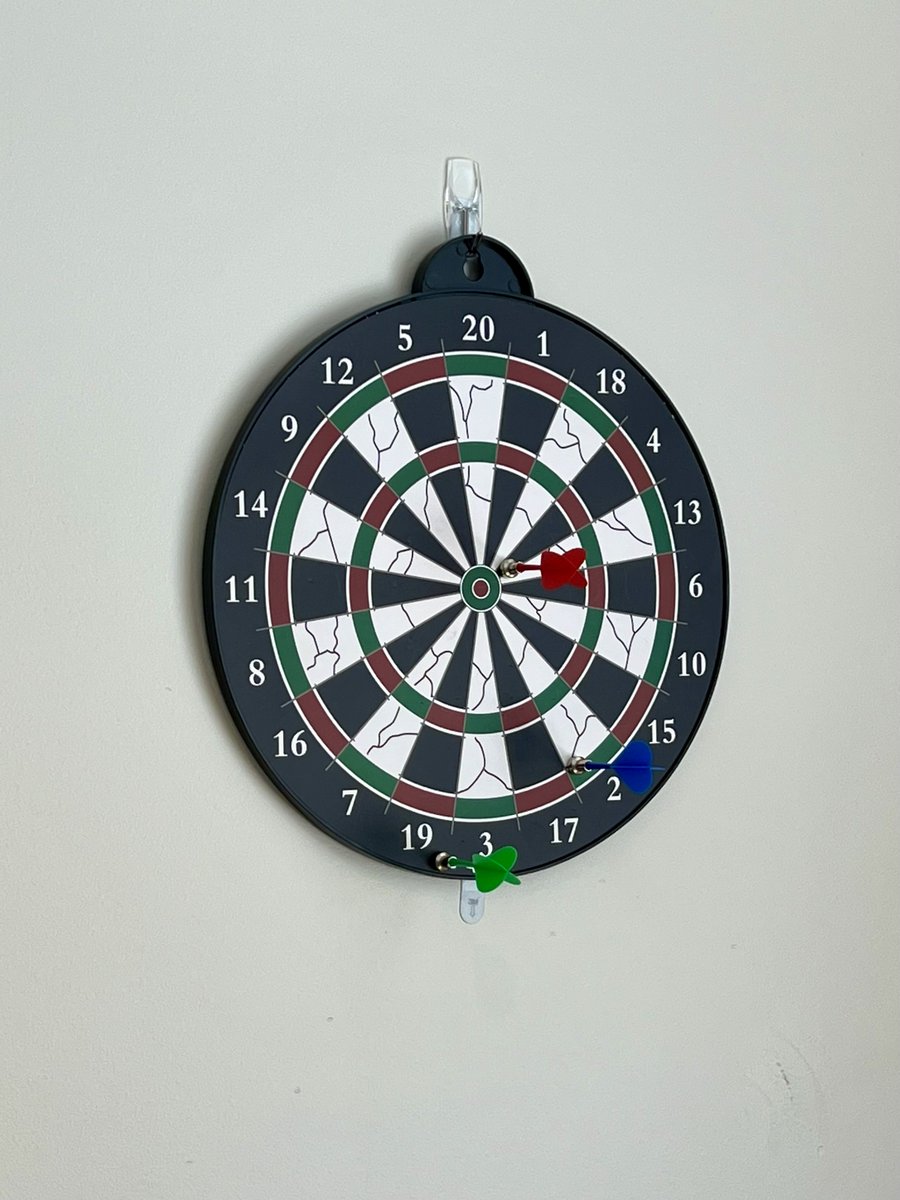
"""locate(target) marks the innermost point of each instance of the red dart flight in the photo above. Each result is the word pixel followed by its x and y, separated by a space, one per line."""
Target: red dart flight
pixel 559 569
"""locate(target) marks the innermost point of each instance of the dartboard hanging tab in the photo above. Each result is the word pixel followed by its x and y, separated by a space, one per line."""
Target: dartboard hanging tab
pixel 469 261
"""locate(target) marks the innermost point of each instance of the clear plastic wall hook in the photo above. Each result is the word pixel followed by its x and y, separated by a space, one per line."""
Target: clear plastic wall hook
pixel 462 197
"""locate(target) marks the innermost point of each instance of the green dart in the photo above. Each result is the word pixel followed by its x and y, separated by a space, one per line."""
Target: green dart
pixel 490 869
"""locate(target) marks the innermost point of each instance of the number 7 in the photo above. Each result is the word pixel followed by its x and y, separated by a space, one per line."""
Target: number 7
pixel 350 794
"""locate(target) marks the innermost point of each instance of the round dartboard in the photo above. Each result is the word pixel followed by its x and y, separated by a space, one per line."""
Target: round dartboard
pixel 463 545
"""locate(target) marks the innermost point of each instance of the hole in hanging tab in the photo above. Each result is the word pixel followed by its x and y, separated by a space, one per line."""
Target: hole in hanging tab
pixel 473 267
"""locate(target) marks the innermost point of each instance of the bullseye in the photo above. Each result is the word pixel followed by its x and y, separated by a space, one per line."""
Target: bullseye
pixel 480 588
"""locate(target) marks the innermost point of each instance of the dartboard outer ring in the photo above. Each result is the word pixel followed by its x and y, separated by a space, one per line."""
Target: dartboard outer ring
pixel 422 860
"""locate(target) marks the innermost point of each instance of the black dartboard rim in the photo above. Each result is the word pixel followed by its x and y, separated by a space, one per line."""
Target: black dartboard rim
pixel 423 862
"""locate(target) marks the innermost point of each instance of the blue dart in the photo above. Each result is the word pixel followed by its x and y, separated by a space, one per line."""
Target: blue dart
pixel 634 766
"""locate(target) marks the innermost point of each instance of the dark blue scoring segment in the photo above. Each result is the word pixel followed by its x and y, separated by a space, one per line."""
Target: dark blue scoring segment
pixel 318 589
pixel 552 527
pixel 402 589
pixel 631 587
pixel 427 415
pixel 603 484
pixel 526 418
pixel 352 697
pixel 553 647
pixel 450 488
pixel 410 648
pixel 532 586
pixel 511 687
pixel 346 479
pixel 606 690
pixel 507 490
pixel 406 528
pixel 434 761
pixel 454 686
pixel 532 756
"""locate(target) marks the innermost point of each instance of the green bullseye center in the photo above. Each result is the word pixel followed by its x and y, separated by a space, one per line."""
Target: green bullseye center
pixel 480 588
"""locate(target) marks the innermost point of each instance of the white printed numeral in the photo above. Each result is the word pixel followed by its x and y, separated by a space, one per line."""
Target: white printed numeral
pixel 694 515
pixel 667 727
pixel 615 383
pixel 350 794
pixel 570 823
pixel 478 328
pixel 424 833
pixel 344 374
pixel 297 744
pixel 249 596
pixel 258 506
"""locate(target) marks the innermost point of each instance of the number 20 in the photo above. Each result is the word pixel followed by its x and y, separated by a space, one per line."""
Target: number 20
pixel 478 328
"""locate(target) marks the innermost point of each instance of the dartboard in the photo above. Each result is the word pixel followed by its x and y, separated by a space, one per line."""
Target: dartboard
pixel 396 667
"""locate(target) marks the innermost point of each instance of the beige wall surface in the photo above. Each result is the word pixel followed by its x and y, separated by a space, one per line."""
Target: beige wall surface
pixel 202 996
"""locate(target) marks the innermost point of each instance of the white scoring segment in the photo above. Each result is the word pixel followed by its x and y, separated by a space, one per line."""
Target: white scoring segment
pixel 326 646
pixel 567 619
pixel 396 619
pixel 477 402
pixel 536 671
pixel 323 531
pixel 423 500
pixel 574 729
pixel 482 686
pixel 625 532
pixel 327 533
pixel 388 737
pixel 428 672
pixel 530 507
pixel 483 766
pixel 571 442
pixel 389 555
pixel 627 640
pixel 478 484
pixel 381 438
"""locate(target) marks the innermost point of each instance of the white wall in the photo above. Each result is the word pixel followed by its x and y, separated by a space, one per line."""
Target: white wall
pixel 204 997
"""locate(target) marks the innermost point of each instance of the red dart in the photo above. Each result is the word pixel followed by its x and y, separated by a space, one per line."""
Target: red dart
pixel 558 569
